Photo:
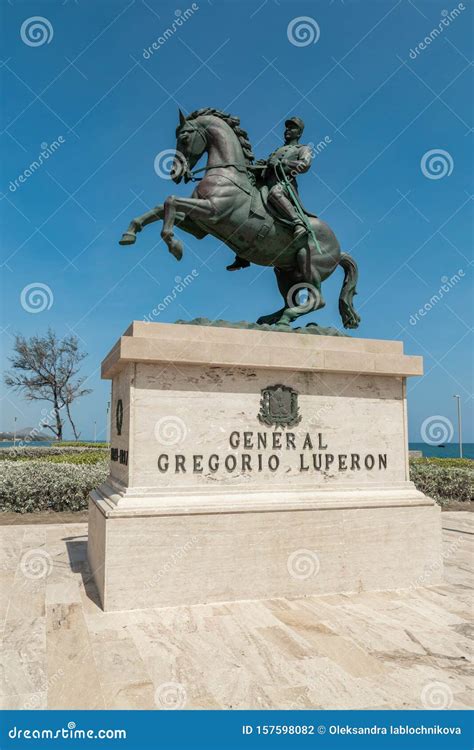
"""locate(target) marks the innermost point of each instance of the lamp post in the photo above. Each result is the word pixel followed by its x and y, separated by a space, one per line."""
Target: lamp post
pixel 458 399
pixel 14 430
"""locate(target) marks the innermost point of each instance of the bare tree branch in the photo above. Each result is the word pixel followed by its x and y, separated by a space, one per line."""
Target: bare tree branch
pixel 45 369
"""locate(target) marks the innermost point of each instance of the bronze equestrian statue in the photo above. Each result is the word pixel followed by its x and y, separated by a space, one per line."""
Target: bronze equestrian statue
pixel 254 208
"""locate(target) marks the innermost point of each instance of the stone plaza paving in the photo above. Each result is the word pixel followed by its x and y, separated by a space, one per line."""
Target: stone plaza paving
pixel 377 650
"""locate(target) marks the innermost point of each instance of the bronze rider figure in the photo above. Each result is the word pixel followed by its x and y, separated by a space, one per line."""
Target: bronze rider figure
pixel 293 158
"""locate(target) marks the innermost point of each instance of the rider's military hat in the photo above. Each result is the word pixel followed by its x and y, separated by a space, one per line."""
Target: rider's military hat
pixel 295 121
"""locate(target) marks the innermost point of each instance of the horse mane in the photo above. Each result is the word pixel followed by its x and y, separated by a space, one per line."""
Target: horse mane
pixel 234 124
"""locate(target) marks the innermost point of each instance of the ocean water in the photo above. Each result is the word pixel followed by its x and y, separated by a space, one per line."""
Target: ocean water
pixel 26 444
pixel 449 450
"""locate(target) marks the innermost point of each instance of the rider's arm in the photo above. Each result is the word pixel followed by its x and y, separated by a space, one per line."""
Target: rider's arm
pixel 259 164
pixel 302 163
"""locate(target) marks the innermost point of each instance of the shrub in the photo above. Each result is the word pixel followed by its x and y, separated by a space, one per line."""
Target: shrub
pixel 40 485
pixel 55 454
pixel 443 483
pixel 80 444
pixel 92 457
pixel 456 463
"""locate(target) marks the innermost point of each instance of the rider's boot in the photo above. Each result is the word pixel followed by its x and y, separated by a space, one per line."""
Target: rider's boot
pixel 278 198
pixel 299 229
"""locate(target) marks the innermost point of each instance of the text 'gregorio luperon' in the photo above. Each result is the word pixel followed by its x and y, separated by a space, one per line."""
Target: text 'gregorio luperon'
pixel 261 451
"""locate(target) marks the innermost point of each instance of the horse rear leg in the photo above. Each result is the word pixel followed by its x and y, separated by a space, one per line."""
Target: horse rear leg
pixel 306 277
pixel 284 281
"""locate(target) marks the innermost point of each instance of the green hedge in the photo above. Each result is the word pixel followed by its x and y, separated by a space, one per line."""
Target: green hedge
pixel 69 454
pixel 80 444
pixel 456 463
pixel 94 457
pixel 27 486
pixel 443 483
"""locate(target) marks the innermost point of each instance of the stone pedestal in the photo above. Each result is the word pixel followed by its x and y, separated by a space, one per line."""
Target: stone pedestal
pixel 249 464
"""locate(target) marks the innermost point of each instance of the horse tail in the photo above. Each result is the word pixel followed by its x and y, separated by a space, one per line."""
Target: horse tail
pixel 350 319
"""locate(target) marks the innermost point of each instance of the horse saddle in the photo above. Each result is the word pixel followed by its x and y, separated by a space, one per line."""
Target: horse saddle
pixel 261 207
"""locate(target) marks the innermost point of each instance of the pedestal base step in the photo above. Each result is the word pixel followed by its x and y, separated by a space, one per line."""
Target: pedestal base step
pixel 149 560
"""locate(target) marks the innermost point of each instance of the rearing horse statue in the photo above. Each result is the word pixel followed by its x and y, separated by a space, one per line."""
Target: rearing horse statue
pixel 228 204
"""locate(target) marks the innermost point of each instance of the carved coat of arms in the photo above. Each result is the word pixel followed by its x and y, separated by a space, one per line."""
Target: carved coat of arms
pixel 279 406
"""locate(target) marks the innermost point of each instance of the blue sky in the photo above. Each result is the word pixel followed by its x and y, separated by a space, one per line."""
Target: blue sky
pixel 89 87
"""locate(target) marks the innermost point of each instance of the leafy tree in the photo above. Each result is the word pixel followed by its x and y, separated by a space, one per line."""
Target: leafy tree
pixel 45 368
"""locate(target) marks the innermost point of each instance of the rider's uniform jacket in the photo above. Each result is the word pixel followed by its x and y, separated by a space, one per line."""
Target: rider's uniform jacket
pixel 294 158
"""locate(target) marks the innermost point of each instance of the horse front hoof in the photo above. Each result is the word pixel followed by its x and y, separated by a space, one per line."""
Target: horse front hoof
pixel 176 248
pixel 352 323
pixel 128 238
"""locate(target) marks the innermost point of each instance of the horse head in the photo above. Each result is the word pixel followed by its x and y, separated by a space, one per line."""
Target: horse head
pixel 214 131
pixel 191 143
